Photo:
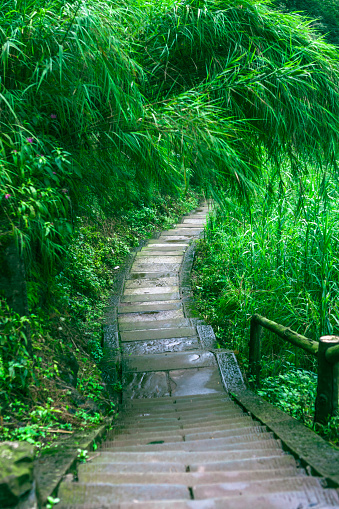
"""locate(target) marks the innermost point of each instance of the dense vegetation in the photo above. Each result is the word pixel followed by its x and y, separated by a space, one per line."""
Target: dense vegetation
pixel 276 256
pixel 107 109
pixel 324 14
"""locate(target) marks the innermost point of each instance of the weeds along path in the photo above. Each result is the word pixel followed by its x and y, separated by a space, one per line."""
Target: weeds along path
pixel 180 441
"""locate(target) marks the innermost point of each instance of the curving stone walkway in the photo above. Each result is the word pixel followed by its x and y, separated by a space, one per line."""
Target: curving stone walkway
pixel 180 442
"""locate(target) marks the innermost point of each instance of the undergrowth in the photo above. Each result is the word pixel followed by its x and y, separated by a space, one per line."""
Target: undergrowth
pixel 57 388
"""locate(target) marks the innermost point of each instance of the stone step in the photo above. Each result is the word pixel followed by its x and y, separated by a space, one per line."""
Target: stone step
pixel 180 415
pixel 151 275
pixel 164 237
pixel 159 324
pixel 154 252
pixel 296 483
pixel 127 436
pixel 170 361
pixel 155 316
pixel 185 457
pixel 317 499
pixel 254 464
pixel 161 333
pixel 220 444
pixel 194 426
pixel 182 231
pixel 101 494
pixel 179 399
pixel 164 243
pixel 146 307
pixel 153 290
pixel 122 439
pixel 184 409
pixel 199 226
pixel 245 468
pixel 147 297
pixel 157 346
pixel 145 415
pixel 146 438
pixel 163 258
pixel 150 283
pixel 152 266
pixel 188 478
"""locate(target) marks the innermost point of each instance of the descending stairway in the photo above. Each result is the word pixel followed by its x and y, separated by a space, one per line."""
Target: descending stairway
pixel 180 441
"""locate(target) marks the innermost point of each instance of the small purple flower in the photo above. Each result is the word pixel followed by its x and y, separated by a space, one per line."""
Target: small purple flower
pixel 15 151
pixel 7 196
pixel 53 115
pixel 64 191
pixel 54 173
pixel 29 140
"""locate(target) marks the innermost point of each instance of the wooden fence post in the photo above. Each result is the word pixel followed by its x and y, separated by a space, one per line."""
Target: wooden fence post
pixel 326 404
pixel 255 349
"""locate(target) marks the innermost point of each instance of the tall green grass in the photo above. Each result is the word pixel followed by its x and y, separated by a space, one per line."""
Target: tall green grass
pixel 278 257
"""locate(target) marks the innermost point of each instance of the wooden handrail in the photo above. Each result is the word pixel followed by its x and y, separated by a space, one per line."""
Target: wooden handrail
pixel 326 350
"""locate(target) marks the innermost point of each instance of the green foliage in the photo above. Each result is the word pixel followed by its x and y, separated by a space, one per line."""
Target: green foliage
pixel 15 361
pixel 324 14
pixel 276 256
pixel 293 391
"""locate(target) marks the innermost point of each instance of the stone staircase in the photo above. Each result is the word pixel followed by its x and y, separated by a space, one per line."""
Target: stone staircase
pixel 179 440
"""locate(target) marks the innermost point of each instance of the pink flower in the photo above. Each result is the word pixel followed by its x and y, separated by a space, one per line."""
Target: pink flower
pixel 15 151
pixel 53 115
pixel 7 196
pixel 64 191
pixel 29 140
pixel 54 172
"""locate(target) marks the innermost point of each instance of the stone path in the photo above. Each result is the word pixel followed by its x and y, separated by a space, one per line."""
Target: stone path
pixel 180 441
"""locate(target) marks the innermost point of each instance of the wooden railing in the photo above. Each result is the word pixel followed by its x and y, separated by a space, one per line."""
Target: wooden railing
pixel 326 350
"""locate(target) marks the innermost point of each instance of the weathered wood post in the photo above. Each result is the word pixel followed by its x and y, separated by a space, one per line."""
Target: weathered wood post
pixel 255 349
pixel 326 404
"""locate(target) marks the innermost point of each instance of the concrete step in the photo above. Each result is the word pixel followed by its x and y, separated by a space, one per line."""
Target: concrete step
pixel 169 361
pixel 195 427
pixel 147 297
pixel 101 494
pixel 185 457
pixel 160 333
pixel 139 266
pixel 169 252
pixel 150 283
pixel 315 499
pixel 182 412
pixel 226 407
pixel 151 316
pixel 296 483
pixel 232 435
pixel 147 307
pixel 219 444
pixel 187 422
pixel 177 400
pixel 159 346
pixel 173 323
pixel 152 275
pixel 123 437
pixel 188 478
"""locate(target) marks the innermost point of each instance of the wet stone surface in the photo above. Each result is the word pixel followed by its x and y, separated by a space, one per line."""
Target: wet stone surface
pixel 161 324
pixel 144 307
pixel 153 316
pixel 167 333
pixel 160 346
pixel 186 382
pixel 169 361
pixel 152 290
pixel 150 283
pixel 145 385
pixel 146 297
